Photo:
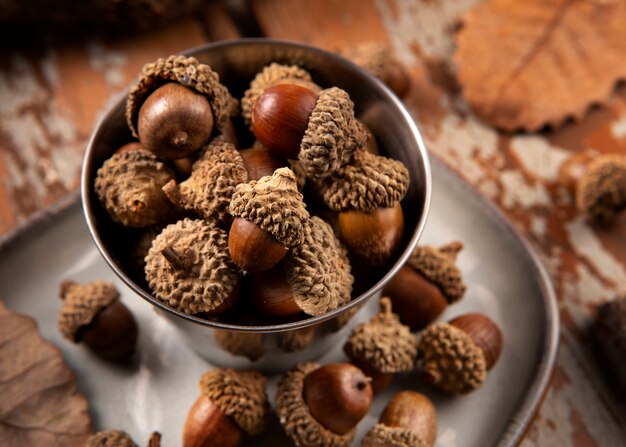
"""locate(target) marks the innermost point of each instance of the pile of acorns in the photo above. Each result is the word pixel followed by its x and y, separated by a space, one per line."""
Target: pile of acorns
pixel 220 225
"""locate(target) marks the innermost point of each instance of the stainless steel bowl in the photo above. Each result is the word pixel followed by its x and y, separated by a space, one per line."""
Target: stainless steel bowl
pixel 267 347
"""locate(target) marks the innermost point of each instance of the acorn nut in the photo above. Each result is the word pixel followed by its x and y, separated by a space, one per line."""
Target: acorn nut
pixel 598 184
pixel 259 162
pixel 232 405
pixel 175 105
pixel 426 285
pixel 456 356
pixel 321 405
pixel 313 278
pixel 319 129
pixel 270 216
pixel 382 347
pixel 117 438
pixel 93 314
pixel 408 420
pixel 366 193
pixel 188 268
pixel 129 187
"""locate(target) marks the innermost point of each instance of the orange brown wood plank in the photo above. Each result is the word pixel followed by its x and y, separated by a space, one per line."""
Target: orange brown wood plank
pixel 517 172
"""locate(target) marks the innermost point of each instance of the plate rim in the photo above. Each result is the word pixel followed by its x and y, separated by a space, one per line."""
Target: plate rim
pixel 518 425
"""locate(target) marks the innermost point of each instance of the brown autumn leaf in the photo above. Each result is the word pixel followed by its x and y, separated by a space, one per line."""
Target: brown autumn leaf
pixel 40 403
pixel 528 64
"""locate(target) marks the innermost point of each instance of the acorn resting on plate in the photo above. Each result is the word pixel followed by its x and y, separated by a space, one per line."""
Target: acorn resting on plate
pixel 428 283
pixel 93 314
pixel 456 356
pixel 322 405
pixel 382 346
pixel 232 405
pixel 408 420
pixel 366 193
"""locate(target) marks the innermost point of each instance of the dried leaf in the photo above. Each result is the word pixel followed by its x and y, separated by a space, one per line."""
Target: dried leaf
pixel 40 403
pixel 527 64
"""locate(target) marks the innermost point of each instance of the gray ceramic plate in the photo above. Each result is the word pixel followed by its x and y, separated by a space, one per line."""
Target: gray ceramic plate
pixel 505 280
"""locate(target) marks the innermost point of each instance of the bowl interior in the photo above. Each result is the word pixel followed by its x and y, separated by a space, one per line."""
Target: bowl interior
pixel 237 62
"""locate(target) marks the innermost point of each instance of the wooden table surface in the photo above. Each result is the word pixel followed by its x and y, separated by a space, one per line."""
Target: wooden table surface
pixel 54 87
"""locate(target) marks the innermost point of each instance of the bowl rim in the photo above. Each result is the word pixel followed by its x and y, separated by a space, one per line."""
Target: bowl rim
pixel 85 185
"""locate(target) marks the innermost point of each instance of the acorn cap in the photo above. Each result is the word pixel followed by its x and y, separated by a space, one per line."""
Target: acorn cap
pixel 381 435
pixel 239 395
pixel 383 342
pixel 372 56
pixel 110 438
pixel 245 344
pixel 189 268
pixel 439 267
pixel 266 78
pixel 294 415
pixel 81 304
pixel 365 184
pixel 318 270
pixel 451 359
pixel 332 136
pixel 601 193
pixel 275 205
pixel 129 187
pixel 188 72
pixel 212 182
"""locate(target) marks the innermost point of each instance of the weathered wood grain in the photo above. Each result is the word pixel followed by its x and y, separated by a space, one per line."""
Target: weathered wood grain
pixel 518 172
pixel 53 89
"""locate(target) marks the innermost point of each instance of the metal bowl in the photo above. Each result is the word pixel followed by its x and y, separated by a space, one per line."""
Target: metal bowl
pixel 270 347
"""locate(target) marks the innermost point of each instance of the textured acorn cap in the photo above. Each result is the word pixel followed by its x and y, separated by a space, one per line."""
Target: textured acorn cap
pixel 601 193
pixel 383 342
pixel 439 267
pixel 318 270
pixel 204 277
pixel 372 56
pixel 239 395
pixel 294 415
pixel 365 184
pixel 110 438
pixel 451 359
pixel 188 72
pixel 332 136
pixel 129 187
pixel 381 435
pixel 266 78
pixel 81 304
pixel 245 344
pixel 212 182
pixel 275 205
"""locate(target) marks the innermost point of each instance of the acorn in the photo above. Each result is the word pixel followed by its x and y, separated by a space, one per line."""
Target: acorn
pixel 117 438
pixel 379 60
pixel 408 420
pixel 209 189
pixel 188 268
pixel 424 287
pixel 609 337
pixel 456 356
pixel 598 183
pixel 93 314
pixel 232 405
pixel 322 405
pixel 175 106
pixel 319 129
pixel 240 344
pixel 270 216
pixel 367 193
pixel 382 347
pixel 129 187
pixel 270 76
pixel 313 278
pixel 259 162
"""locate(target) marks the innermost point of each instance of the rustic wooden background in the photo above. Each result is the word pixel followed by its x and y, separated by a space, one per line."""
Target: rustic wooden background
pixel 54 86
